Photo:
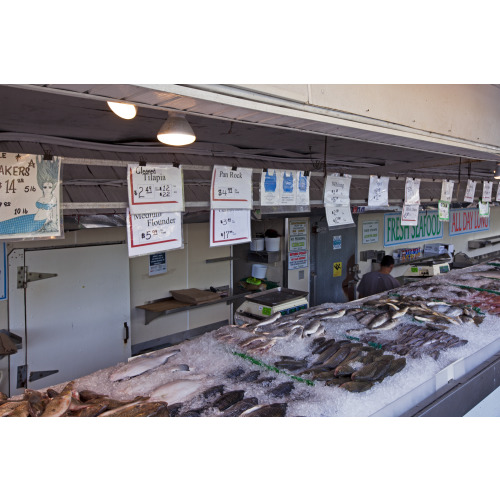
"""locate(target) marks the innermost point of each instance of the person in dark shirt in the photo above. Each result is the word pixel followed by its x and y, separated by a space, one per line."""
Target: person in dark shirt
pixel 378 281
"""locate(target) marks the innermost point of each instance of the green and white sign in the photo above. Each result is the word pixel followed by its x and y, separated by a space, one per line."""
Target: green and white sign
pixel 428 227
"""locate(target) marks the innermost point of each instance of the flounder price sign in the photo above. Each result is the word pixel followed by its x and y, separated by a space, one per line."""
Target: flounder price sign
pixel 467 220
pixel 428 227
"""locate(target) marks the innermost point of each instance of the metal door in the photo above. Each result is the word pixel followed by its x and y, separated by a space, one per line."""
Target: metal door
pixel 333 252
pixel 75 322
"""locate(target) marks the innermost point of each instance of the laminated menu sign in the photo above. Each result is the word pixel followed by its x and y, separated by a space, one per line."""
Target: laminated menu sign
pixel 487 191
pixel 30 197
pixel 338 216
pixel 155 187
pixel 446 191
pixel 412 191
pixel 231 188
pixel 337 190
pixel 229 227
pixel 409 215
pixel 378 193
pixel 283 187
pixel 444 210
pixel 153 232
pixel 470 191
pixel 484 209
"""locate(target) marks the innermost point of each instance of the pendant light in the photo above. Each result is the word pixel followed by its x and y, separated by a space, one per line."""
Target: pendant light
pixel 176 131
pixel 123 110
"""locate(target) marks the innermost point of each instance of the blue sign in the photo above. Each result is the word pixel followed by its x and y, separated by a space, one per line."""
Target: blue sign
pixel 157 263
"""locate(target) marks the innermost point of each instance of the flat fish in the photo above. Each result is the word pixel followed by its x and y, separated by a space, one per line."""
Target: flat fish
pixel 59 405
pixel 52 393
pixel 92 410
pixel 141 365
pixel 273 410
pixel 174 409
pixel 372 372
pixel 177 391
pixel 356 386
pixel 21 410
pixel 282 390
pixel 234 373
pixel 251 376
pixel 86 395
pixel 9 407
pixel 216 390
pixel 238 408
pixel 337 358
pixel 228 399
pixel 146 409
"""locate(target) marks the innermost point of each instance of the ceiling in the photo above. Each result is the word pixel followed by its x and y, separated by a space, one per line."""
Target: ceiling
pixel 75 122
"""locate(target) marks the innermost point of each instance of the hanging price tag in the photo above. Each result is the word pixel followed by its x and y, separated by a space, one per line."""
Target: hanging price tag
pixel 338 216
pixel 444 210
pixel 229 227
pixel 153 232
pixel 337 190
pixel 155 187
pixel 231 188
pixel 412 191
pixel 484 209
pixel 487 191
pixel 378 193
pixel 447 191
pixel 469 191
pixel 409 215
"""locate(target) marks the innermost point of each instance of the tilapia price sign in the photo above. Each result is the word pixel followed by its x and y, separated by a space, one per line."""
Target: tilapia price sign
pixel 231 188
pixel 153 232
pixel 155 187
pixel 229 227
pixel 30 197
pixel 428 227
pixel 467 220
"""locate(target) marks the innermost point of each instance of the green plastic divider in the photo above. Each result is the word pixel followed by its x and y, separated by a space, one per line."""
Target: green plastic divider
pixel 493 264
pixel 372 344
pixel 465 287
pixel 272 368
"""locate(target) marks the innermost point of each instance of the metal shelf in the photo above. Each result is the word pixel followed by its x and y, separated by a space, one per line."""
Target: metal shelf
pixel 264 256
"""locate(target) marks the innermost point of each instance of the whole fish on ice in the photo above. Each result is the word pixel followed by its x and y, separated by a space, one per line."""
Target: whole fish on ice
pixel 140 366
pixel 177 391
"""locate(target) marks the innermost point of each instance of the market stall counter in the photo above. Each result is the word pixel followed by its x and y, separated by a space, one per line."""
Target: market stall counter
pixel 379 356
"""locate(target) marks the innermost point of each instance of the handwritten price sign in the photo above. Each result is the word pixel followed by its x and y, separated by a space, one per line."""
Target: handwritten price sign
pixel 229 227
pixel 231 188
pixel 378 193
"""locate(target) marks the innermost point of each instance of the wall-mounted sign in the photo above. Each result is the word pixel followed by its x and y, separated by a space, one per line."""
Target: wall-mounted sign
pixel 30 195
pixel 3 271
pixel 428 227
pixel 157 263
pixel 337 242
pixel 467 220
pixel 337 269
pixel 298 228
pixel 155 187
pixel 229 227
pixel 153 232
pixel 298 243
pixel 297 260
pixel 231 188
pixel 370 232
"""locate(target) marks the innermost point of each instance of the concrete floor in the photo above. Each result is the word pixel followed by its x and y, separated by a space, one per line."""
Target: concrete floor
pixel 488 407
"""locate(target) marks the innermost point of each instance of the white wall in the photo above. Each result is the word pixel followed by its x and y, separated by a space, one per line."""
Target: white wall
pixel 470 112
pixel 460 242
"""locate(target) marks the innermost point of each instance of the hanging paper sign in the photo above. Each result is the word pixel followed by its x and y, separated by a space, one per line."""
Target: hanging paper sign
pixel 498 192
pixel 409 215
pixel 470 191
pixel 447 191
pixel 378 193
pixel 30 196
pixel 444 210
pixel 487 191
pixel 337 189
pixel 3 271
pixel 229 227
pixel 231 188
pixel 153 232
pixel 155 187
pixel 484 209
pixel 338 216
pixel 282 187
pixel 302 189
pixel 412 191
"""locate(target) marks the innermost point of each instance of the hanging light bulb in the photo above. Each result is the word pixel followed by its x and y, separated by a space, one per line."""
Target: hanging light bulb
pixel 176 131
pixel 123 110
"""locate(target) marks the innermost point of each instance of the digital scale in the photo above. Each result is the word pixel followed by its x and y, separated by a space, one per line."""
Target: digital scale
pixel 427 268
pixel 261 305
